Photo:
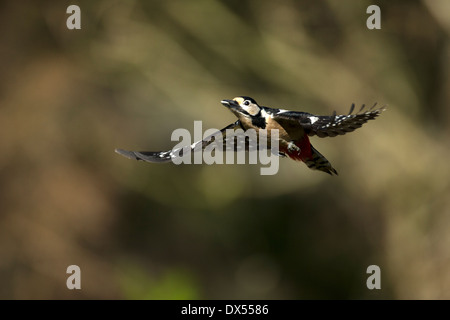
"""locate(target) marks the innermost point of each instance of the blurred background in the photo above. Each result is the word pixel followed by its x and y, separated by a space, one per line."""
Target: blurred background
pixel 137 70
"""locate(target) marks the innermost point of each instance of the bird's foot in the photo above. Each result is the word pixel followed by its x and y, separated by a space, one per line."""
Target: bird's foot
pixel 292 147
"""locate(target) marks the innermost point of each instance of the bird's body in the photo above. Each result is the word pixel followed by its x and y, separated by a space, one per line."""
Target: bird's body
pixel 294 129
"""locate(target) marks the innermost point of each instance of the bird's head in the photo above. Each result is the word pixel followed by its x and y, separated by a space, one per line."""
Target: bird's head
pixel 247 111
pixel 242 106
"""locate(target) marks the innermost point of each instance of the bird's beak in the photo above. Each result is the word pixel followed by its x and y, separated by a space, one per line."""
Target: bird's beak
pixel 231 104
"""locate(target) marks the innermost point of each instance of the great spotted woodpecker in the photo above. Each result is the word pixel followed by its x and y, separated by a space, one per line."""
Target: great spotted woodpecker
pixel 294 129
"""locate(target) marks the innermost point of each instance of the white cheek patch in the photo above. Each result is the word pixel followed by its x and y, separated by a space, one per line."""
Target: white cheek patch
pixel 253 109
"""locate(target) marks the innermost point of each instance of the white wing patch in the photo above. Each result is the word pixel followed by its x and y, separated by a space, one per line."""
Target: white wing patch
pixel 272 114
pixel 265 114
pixel 313 119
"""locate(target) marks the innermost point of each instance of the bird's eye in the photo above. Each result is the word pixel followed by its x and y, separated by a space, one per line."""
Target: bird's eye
pixel 246 102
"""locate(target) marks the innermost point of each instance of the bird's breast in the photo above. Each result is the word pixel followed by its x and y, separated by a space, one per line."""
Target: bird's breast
pixel 286 130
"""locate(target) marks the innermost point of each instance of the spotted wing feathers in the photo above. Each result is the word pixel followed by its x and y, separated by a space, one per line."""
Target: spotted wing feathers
pixel 168 156
pixel 331 126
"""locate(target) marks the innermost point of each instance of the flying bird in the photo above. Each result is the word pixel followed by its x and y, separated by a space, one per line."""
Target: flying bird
pixel 294 130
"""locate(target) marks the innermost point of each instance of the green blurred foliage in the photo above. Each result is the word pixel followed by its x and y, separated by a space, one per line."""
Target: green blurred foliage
pixel 137 70
pixel 172 285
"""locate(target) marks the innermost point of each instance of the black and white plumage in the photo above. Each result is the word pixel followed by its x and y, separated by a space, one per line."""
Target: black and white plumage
pixel 329 126
pixel 235 142
pixel 294 127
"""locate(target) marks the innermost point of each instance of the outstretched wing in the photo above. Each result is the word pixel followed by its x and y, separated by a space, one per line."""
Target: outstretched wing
pixel 168 156
pixel 330 126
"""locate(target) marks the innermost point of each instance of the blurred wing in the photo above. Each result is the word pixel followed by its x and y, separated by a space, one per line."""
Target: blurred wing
pixel 167 156
pixel 331 126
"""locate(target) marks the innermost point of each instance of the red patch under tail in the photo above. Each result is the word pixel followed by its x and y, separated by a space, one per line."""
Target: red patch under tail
pixel 305 152
pixel 309 155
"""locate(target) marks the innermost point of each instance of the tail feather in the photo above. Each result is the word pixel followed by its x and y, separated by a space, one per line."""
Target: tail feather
pixel 318 162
